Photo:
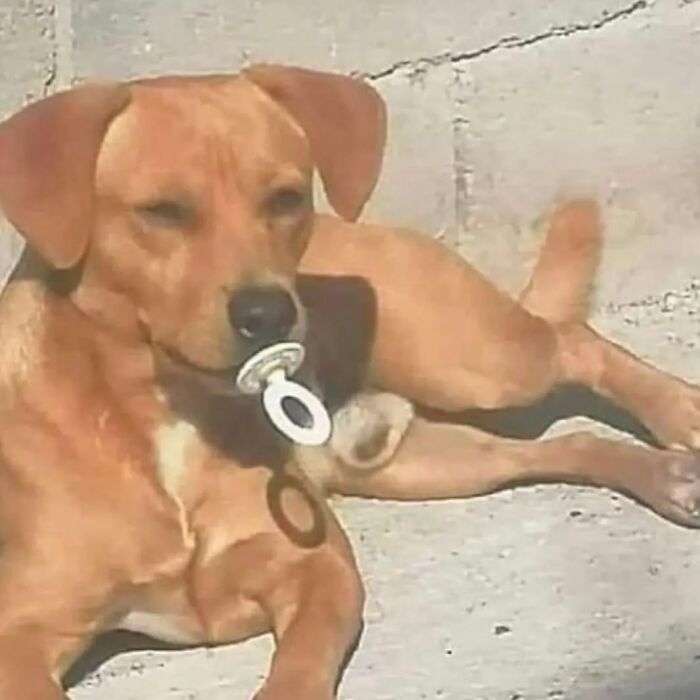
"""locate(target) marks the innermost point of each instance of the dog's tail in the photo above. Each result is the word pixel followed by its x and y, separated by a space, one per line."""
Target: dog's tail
pixel 562 281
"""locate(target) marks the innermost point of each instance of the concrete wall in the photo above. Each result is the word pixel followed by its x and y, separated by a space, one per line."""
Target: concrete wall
pixel 496 109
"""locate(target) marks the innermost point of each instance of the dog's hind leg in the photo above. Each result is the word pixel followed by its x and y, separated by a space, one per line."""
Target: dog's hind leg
pixel 443 335
pixel 668 406
pixel 446 338
pixel 439 460
pixel 559 292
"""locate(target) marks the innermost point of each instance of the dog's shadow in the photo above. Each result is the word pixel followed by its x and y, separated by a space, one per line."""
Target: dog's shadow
pixel 106 647
pixel 532 421
pixel 111 644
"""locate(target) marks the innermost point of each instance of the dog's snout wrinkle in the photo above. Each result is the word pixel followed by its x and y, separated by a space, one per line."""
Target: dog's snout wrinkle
pixel 263 314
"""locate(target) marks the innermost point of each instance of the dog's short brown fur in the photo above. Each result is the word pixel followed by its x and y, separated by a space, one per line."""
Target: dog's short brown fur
pixel 138 490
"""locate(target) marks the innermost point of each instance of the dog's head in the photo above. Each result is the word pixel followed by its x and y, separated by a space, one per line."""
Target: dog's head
pixel 187 202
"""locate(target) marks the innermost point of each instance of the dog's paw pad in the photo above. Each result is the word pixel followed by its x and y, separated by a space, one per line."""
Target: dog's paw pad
pixel 681 489
pixel 368 429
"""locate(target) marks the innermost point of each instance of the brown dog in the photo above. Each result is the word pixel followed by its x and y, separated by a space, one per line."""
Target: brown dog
pixel 168 220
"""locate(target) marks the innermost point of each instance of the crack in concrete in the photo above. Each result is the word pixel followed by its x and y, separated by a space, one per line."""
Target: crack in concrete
pixel 49 81
pixel 505 43
pixel 65 69
pixel 668 301
pixel 60 72
pixel 463 172
pixel 52 69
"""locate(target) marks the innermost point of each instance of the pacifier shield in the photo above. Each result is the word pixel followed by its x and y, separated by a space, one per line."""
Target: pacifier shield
pixel 257 370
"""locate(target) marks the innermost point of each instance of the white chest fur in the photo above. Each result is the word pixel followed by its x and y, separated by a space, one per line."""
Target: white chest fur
pixel 176 446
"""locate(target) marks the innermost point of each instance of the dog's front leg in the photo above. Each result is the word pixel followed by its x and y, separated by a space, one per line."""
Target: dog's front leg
pixel 316 614
pixel 24 670
pixel 33 638
pixel 310 596
pixel 51 606
pixel 315 607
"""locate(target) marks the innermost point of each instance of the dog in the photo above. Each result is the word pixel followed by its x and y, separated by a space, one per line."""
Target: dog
pixel 171 233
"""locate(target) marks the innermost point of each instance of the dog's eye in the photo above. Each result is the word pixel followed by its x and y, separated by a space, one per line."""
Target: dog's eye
pixel 285 200
pixel 165 212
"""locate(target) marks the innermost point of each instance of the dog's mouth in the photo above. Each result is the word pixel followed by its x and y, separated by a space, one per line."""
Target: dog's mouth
pixel 220 380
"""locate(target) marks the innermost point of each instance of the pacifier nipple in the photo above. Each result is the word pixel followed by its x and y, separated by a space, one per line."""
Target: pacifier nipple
pixel 294 410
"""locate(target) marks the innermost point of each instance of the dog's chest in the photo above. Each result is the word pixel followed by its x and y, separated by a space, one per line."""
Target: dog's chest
pixel 185 464
pixel 178 449
pixel 166 615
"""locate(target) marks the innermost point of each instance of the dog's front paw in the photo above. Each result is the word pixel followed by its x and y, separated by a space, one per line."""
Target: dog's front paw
pixel 368 429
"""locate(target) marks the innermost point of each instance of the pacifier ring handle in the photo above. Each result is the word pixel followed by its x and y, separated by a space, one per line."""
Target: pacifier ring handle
pixel 276 398
pixel 267 372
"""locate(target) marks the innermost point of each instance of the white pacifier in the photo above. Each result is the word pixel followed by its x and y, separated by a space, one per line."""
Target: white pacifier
pixel 266 372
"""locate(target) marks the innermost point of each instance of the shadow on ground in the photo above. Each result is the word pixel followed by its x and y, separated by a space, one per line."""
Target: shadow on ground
pixel 532 421
pixel 108 646
pixel 659 684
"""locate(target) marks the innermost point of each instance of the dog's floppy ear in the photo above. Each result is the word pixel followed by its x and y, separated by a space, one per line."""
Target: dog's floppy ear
pixel 345 122
pixel 48 154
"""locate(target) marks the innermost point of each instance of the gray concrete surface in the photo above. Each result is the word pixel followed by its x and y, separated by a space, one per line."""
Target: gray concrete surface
pixel 497 108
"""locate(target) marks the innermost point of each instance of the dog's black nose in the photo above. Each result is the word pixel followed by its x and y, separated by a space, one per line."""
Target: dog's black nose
pixel 262 314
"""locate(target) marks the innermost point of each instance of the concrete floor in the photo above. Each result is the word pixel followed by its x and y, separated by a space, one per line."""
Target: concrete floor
pixel 542 594
pixel 497 107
